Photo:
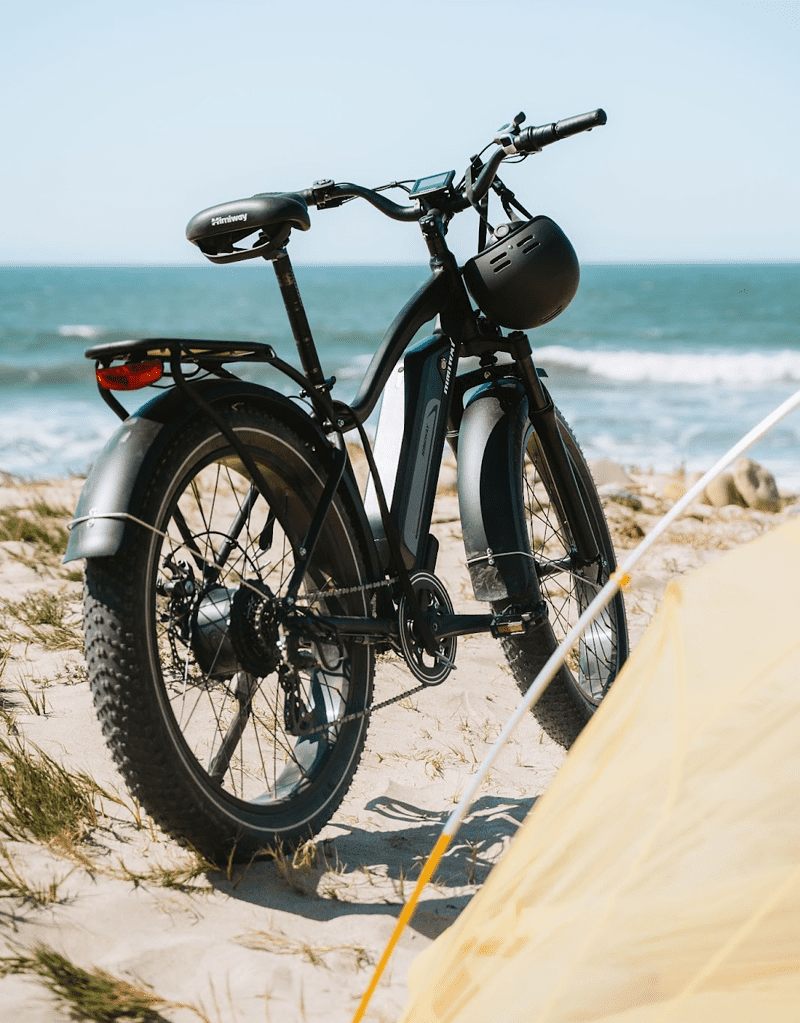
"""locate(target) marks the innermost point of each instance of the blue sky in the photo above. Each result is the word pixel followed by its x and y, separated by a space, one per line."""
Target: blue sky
pixel 122 119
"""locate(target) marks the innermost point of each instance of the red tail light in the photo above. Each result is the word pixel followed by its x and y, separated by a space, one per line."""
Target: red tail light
pixel 130 376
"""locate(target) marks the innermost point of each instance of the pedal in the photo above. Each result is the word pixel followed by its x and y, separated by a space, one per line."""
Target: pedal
pixel 513 622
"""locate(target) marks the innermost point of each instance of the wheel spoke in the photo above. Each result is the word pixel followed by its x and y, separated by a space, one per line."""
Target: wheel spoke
pixel 567 588
pixel 234 722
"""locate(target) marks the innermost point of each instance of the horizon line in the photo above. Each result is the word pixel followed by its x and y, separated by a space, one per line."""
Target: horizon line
pixel 770 261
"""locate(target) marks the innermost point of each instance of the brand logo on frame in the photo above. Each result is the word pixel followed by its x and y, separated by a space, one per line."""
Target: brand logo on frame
pixel 232 219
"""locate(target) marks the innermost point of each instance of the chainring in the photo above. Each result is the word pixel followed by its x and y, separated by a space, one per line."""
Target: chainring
pixel 434 600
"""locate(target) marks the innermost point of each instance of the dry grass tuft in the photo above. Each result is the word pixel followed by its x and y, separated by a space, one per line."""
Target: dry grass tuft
pixel 47 619
pixel 295 867
pixel 87 994
pixel 183 878
pixel 39 524
pixel 41 800
pixel 94 995
pixel 36 699
pixel 263 941
pixel 14 886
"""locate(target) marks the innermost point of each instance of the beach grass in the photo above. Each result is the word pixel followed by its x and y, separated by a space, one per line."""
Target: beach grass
pixel 94 995
pixel 39 524
pixel 13 884
pixel 280 944
pixel 42 801
pixel 46 618
pixel 86 994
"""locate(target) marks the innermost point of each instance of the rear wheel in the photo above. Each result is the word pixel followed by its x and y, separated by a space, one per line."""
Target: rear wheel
pixel 576 691
pixel 223 716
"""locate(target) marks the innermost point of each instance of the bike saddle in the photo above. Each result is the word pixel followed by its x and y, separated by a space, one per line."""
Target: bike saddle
pixel 215 230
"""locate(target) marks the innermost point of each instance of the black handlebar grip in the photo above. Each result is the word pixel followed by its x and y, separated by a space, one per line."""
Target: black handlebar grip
pixel 581 122
pixel 531 140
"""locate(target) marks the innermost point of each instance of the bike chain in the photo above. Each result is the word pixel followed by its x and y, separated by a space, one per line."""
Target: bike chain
pixel 344 590
pixel 366 712
pixel 373 707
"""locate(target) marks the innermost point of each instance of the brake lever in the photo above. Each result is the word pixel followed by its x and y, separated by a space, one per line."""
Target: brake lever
pixel 507 134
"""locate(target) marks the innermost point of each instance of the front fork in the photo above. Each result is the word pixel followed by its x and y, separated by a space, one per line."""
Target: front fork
pixel 542 415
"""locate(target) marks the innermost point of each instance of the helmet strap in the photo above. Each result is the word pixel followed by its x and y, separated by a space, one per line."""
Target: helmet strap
pixel 507 198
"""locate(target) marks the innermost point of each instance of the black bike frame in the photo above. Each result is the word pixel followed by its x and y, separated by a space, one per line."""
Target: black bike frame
pixel 434 406
pixel 433 402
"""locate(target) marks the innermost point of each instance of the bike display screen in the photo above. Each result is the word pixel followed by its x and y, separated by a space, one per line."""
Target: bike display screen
pixel 433 183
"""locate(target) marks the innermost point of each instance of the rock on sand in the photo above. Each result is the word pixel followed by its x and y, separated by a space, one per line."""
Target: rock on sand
pixel 756 485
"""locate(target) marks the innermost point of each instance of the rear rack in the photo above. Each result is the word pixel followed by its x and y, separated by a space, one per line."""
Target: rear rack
pixel 209 357
pixel 185 349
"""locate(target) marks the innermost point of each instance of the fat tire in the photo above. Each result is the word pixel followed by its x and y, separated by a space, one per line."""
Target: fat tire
pixel 566 704
pixel 132 675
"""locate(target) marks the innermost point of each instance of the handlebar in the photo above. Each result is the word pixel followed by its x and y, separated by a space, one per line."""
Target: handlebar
pixel 511 141
pixel 325 194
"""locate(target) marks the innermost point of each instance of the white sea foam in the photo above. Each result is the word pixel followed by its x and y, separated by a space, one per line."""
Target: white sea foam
pixel 62 438
pixel 633 366
pixel 85 330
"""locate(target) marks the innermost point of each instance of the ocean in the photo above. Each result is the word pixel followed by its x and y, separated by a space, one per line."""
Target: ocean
pixel 655 366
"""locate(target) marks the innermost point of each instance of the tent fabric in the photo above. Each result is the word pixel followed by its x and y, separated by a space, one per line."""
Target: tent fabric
pixel 658 879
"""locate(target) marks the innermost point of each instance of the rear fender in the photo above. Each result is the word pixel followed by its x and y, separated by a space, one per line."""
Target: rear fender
pixel 115 488
pixel 490 460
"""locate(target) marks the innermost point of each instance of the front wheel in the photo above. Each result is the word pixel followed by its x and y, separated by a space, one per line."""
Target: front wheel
pixel 576 691
pixel 227 722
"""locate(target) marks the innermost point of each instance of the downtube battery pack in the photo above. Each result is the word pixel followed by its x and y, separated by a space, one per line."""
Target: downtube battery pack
pixel 415 409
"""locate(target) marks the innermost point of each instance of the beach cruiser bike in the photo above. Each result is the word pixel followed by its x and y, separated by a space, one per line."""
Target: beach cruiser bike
pixel 238 585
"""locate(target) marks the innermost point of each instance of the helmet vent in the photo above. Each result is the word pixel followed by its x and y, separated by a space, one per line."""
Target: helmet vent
pixel 528 244
pixel 499 263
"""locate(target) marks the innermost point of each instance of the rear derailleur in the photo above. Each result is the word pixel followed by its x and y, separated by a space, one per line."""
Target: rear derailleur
pixel 298 718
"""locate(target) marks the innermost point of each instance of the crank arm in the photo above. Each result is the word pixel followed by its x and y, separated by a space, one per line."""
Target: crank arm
pixel 504 624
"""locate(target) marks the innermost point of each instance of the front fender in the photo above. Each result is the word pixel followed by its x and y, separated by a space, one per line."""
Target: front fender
pixel 116 486
pixel 490 464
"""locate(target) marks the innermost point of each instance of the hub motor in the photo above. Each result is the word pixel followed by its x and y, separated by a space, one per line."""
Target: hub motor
pixel 236 630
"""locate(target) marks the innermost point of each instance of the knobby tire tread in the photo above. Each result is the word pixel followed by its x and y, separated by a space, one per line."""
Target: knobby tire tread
pixel 561 710
pixel 137 741
pixel 132 718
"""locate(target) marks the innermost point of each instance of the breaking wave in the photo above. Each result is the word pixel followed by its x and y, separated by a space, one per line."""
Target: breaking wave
pixel 633 366
pixel 84 330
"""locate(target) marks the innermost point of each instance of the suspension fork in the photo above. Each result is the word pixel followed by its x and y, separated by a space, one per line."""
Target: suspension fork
pixel 541 412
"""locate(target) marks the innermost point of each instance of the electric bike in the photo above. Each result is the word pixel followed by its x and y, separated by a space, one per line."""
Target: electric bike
pixel 239 586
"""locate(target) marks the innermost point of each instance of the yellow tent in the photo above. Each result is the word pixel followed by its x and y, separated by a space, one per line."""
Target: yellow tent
pixel 659 877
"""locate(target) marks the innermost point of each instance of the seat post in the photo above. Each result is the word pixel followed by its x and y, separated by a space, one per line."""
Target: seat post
pixel 298 320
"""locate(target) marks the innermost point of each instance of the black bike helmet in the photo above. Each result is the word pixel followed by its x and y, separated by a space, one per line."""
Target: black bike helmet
pixel 526 276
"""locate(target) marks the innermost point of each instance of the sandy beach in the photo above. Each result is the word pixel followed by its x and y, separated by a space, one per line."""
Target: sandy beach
pixel 105 904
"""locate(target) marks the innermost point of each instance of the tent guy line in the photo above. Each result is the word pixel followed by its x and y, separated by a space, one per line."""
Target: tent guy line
pixel 618 580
